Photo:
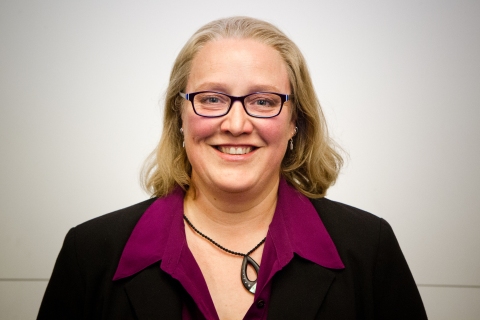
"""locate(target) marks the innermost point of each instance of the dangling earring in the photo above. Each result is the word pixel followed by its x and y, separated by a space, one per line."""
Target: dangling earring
pixel 183 142
pixel 291 144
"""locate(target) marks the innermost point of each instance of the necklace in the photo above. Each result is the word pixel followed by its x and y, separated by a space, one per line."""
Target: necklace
pixel 250 285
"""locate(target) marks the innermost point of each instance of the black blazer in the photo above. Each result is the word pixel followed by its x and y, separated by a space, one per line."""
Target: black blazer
pixel 375 284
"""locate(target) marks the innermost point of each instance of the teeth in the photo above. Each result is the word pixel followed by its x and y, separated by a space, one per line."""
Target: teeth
pixel 235 150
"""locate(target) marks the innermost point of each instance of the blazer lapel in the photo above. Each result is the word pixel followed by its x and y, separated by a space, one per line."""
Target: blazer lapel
pixel 153 294
pixel 299 289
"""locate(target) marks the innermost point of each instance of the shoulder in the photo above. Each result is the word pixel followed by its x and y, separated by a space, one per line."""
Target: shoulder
pixel 114 224
pixel 336 215
pixel 374 263
pixel 81 280
pixel 333 209
pixel 354 231
pixel 100 241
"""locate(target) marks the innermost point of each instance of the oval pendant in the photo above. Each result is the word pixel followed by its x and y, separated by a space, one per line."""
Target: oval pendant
pixel 247 283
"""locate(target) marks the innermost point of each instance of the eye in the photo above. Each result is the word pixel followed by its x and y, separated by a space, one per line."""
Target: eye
pixel 264 102
pixel 211 98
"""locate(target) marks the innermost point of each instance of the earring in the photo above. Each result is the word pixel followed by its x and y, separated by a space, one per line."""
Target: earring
pixel 291 144
pixel 183 142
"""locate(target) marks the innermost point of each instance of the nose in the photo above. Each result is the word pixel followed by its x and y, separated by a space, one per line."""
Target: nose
pixel 237 121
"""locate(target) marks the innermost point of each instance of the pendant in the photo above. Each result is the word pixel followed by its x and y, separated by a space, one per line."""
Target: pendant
pixel 247 283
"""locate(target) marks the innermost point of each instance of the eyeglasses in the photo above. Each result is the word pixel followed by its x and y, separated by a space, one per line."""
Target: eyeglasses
pixel 212 104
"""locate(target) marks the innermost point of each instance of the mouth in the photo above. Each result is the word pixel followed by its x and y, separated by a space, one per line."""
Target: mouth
pixel 234 150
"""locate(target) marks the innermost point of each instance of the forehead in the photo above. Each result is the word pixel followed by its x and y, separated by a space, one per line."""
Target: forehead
pixel 238 64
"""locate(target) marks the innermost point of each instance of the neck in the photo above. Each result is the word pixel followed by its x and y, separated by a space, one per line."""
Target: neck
pixel 232 217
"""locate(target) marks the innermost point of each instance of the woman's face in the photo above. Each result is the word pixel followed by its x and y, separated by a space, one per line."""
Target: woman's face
pixel 237 67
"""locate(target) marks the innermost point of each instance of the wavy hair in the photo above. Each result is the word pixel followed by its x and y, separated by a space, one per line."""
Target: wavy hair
pixel 314 163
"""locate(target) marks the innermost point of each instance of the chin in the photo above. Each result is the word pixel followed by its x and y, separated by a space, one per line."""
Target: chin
pixel 235 183
pixel 234 187
pixel 244 183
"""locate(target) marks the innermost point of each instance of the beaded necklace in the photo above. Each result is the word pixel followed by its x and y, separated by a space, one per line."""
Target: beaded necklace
pixel 250 285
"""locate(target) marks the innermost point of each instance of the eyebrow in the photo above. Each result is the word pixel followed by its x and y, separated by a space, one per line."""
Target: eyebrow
pixel 220 87
pixel 211 86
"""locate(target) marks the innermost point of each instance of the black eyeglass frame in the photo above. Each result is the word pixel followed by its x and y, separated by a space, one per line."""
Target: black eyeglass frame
pixel 190 97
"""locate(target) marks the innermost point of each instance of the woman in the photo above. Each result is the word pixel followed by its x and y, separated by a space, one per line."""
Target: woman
pixel 239 227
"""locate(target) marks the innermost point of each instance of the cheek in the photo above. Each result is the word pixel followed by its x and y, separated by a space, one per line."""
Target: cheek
pixel 277 132
pixel 197 128
pixel 275 135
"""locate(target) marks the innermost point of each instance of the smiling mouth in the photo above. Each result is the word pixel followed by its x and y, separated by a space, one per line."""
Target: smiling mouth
pixel 235 150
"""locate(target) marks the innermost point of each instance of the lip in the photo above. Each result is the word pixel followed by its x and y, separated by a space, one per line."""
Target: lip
pixel 235 150
pixel 229 150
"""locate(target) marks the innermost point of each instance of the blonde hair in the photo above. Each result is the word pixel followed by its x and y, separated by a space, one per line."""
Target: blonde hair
pixel 311 167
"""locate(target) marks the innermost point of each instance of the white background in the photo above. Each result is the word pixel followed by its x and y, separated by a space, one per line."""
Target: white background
pixel 81 84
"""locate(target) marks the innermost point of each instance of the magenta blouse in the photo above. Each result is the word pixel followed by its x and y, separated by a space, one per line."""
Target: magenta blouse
pixel 159 235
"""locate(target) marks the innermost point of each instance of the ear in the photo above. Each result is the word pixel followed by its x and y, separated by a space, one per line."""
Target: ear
pixel 295 130
pixel 293 124
pixel 292 128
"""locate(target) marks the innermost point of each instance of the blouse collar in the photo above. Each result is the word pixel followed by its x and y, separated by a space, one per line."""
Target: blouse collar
pixel 295 228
